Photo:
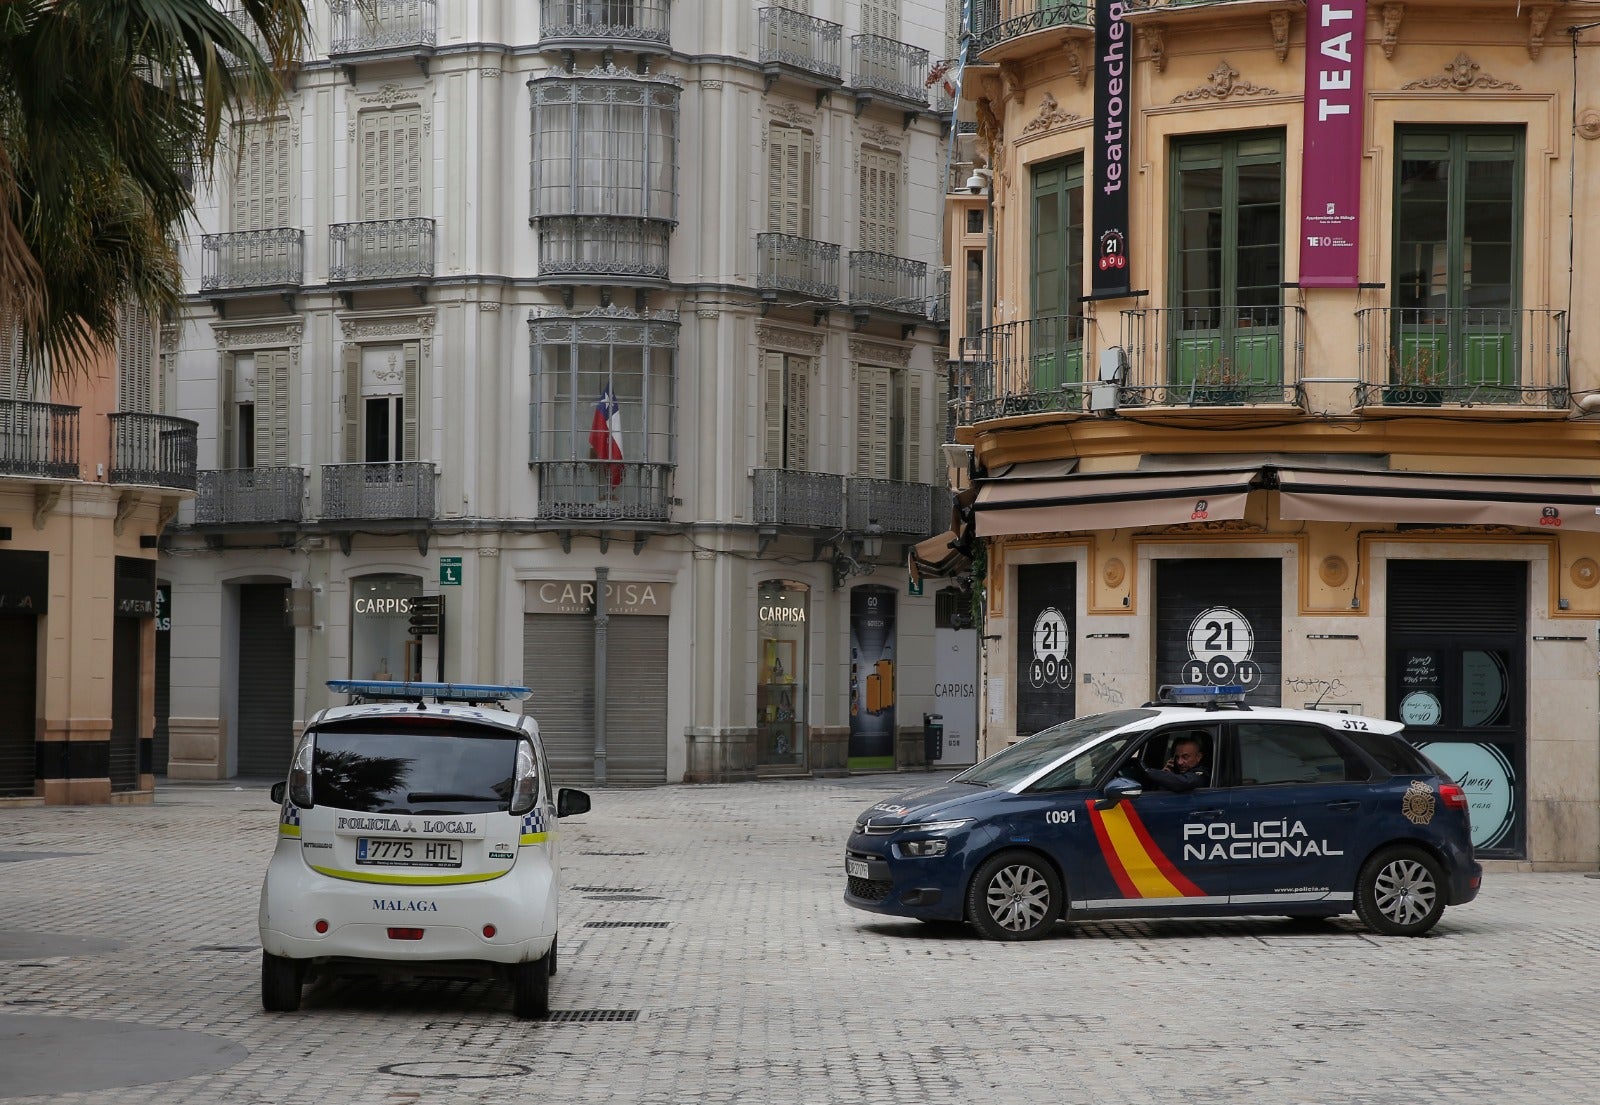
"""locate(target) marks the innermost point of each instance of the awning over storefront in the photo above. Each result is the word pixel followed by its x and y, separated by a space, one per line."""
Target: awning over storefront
pixel 1535 502
pixel 943 554
pixel 1121 500
pixel 1352 492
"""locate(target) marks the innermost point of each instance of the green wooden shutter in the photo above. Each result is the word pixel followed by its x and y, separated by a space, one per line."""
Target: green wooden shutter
pixel 353 453
pixel 413 400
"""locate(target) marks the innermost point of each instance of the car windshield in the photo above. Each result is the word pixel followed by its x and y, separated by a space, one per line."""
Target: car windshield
pixel 1011 766
pixel 379 768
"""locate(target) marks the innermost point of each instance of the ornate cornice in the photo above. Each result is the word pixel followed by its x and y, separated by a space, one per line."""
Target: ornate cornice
pixel 877 352
pixel 1223 84
pixel 1461 75
pixel 808 342
pixel 882 137
pixel 418 327
pixel 1050 117
pixel 258 335
pixel 791 114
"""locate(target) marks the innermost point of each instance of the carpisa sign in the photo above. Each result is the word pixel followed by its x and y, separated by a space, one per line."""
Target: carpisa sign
pixel 1113 53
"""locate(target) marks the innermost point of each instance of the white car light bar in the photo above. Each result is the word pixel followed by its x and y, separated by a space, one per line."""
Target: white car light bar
pixel 370 690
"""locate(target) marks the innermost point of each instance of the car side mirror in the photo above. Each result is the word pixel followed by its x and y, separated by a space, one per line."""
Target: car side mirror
pixel 1120 788
pixel 570 802
pixel 278 790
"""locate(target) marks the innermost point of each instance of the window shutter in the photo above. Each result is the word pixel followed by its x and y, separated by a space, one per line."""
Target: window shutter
pixel 412 400
pixel 772 411
pixel 880 201
pixel 391 164
pixel 913 429
pixel 872 421
pixel 272 408
pixel 352 404
pixel 799 417
pixel 227 446
pixel 882 17
pixel 135 359
pixel 789 167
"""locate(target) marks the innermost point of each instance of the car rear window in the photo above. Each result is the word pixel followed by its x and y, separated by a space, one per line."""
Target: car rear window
pixel 379 768
pixel 1393 754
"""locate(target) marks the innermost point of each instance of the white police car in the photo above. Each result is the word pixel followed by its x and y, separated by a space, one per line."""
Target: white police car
pixel 1302 814
pixel 418 834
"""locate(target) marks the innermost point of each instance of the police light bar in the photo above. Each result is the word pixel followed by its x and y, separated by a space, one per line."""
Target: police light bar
pixel 1169 692
pixel 370 689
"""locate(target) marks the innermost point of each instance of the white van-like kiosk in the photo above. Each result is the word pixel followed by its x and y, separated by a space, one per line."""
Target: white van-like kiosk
pixel 418 835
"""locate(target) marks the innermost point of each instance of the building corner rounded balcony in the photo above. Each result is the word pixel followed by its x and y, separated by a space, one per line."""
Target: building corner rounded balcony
pixel 639 27
pixel 1033 28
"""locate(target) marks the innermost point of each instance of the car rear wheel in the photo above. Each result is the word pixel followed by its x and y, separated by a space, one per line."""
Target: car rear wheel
pixel 1014 896
pixel 1400 892
pixel 530 989
pixel 280 983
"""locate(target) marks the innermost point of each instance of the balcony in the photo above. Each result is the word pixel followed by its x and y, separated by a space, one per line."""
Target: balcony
pixel 939 311
pixel 250 496
pixel 382 491
pixel 883 69
pixel 596 491
pixel 388 252
pixel 881 282
pixel 899 509
pixel 804 500
pixel 1213 356
pixel 800 47
pixel 640 26
pixel 252 261
pixel 1465 356
pixel 1014 28
pixel 370 31
pixel 586 247
pixel 153 449
pixel 38 440
pixel 1031 366
pixel 797 266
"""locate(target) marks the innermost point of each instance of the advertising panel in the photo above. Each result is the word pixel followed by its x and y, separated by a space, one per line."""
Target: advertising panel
pixel 1330 188
pixel 872 676
pixel 1113 49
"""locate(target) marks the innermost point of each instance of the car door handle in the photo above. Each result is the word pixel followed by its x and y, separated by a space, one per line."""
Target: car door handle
pixel 1205 815
pixel 1344 807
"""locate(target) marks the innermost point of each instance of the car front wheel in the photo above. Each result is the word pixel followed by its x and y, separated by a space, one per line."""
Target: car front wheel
pixel 530 989
pixel 1014 896
pixel 280 983
pixel 1400 892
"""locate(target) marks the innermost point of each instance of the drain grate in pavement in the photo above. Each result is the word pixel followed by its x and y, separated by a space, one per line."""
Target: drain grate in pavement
pixel 626 924
pixel 609 889
pixel 624 898
pixel 592 1016
pixel 613 853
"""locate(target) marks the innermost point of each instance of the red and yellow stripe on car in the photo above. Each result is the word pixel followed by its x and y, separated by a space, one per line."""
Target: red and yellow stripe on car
pixel 1141 869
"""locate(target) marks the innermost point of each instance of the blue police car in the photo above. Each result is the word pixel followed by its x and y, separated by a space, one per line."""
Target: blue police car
pixel 1193 806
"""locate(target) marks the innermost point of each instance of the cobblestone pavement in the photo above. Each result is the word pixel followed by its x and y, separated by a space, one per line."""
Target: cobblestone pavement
pixel 129 934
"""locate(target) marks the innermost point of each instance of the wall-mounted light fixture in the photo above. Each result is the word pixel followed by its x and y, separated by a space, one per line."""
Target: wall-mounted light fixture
pixel 853 553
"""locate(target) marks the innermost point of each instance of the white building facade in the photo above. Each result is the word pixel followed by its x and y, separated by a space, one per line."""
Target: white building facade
pixel 614 328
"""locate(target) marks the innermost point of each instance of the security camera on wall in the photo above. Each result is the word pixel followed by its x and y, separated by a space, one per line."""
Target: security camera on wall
pixel 979 181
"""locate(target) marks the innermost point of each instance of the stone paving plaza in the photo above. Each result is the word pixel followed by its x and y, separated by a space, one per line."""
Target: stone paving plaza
pixel 706 956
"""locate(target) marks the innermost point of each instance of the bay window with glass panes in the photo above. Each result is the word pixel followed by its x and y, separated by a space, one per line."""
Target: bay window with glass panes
pixel 605 174
pixel 604 413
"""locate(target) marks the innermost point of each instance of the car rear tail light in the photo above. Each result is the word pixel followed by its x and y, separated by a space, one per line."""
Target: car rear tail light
pixel 321 926
pixel 1452 796
pixel 405 934
pixel 489 931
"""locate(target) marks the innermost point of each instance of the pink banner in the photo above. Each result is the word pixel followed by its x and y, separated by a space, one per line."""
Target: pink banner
pixel 1330 188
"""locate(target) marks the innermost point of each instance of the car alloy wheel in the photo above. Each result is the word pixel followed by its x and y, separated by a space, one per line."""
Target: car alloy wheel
pixel 1014 896
pixel 1400 892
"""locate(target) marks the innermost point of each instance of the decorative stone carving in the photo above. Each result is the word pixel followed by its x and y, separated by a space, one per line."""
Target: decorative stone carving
pixel 489 74
pixel 1392 14
pixel 1280 34
pixel 390 95
pixel 258 336
pixel 707 312
pixel 1010 82
pixel 393 326
pixel 1585 572
pixel 787 111
pixel 1589 124
pixel 488 306
pixel 1333 570
pixel 882 137
pixel 880 353
pixel 1538 20
pixel 1050 117
pixel 1075 67
pixel 804 342
pixel 711 86
pixel 1223 84
pixel 1462 75
pixel 1155 39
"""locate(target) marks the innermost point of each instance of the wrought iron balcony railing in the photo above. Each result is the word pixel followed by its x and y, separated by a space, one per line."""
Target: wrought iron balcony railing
pixel 1023 367
pixel 242 496
pixel 797 265
pixel 252 259
pixel 999 21
pixel 887 283
pixel 939 305
pixel 622 24
pixel 893 69
pixel 389 249
pixel 898 508
pixel 382 26
pixel 605 490
pixel 800 43
pixel 584 245
pixel 1213 356
pixel 379 491
pixel 1474 356
pixel 38 439
pixel 155 449
pixel 806 500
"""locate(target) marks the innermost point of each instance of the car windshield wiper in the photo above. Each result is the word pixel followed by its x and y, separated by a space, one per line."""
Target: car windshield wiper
pixel 972 782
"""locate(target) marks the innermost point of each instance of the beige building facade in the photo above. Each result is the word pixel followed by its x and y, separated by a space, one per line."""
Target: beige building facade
pixel 1319 415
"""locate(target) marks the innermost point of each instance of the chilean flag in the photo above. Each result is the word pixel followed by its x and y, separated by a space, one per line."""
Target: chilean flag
pixel 605 432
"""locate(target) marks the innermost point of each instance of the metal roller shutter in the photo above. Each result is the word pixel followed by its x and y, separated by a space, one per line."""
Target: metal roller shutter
pixel 124 761
pixel 1425 597
pixel 636 709
pixel 1220 622
pixel 19 643
pixel 558 666
pixel 266 681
